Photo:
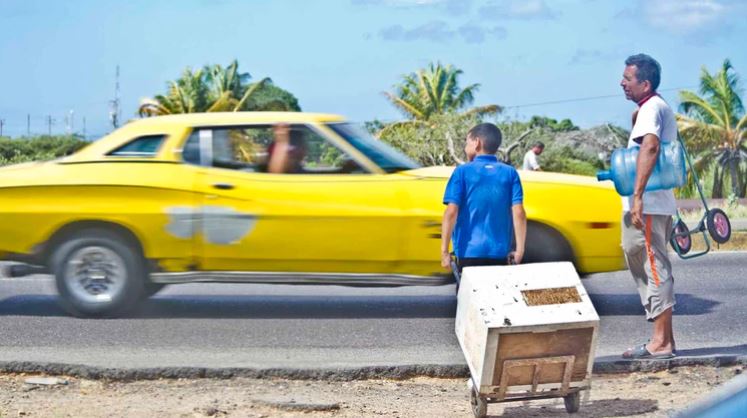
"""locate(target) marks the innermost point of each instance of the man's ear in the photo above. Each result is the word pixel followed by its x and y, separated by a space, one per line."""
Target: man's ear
pixel 649 85
pixel 478 146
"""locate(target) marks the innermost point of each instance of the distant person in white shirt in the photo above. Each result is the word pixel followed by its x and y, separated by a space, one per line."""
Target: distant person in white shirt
pixel 530 158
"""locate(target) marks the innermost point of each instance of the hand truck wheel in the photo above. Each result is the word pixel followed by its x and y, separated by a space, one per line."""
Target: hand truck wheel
pixel 572 402
pixel 718 225
pixel 681 241
pixel 479 405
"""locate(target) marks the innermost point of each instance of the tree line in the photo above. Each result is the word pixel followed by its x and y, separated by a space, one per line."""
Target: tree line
pixel 437 111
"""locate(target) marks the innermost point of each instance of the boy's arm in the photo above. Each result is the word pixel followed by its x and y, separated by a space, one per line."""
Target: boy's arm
pixel 520 231
pixel 447 227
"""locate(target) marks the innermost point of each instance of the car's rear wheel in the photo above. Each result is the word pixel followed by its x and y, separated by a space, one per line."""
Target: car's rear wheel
pixel 545 244
pixel 98 274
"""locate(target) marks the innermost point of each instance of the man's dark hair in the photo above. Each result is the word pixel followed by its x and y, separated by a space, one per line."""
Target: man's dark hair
pixel 539 145
pixel 490 136
pixel 647 69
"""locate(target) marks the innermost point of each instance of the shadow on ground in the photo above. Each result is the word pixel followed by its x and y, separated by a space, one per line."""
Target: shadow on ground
pixel 625 304
pixel 598 408
pixel 257 306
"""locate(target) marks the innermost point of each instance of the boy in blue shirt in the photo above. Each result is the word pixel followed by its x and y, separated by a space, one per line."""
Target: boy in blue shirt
pixel 485 207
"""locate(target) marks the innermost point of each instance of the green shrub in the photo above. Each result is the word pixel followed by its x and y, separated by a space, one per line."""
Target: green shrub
pixel 570 161
pixel 40 148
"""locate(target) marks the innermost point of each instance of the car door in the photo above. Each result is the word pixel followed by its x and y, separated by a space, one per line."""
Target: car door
pixel 320 220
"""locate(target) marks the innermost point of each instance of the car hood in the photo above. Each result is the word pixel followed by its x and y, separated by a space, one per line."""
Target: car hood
pixel 444 172
pixel 20 166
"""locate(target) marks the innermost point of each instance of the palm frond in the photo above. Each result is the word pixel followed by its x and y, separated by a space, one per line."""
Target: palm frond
pixel 484 110
pixel 691 103
pixel 408 108
pixel 249 91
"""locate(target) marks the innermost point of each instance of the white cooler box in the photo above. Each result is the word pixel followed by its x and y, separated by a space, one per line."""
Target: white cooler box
pixel 526 331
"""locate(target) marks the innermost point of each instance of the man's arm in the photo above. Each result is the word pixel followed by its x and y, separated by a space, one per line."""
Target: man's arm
pixel 447 227
pixel 279 159
pixel 647 156
pixel 520 232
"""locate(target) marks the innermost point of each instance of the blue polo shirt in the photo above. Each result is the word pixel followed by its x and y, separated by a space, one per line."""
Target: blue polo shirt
pixel 485 190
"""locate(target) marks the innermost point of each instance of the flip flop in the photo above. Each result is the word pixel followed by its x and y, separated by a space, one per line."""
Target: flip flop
pixel 640 352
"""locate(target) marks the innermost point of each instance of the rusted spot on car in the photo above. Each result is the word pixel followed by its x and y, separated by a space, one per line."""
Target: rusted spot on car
pixel 184 221
pixel 225 225
pixel 218 224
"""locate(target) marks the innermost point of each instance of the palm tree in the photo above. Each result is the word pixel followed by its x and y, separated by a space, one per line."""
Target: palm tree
pixel 433 91
pixel 715 126
pixel 217 89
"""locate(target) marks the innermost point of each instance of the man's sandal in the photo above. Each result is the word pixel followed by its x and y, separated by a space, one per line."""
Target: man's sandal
pixel 641 352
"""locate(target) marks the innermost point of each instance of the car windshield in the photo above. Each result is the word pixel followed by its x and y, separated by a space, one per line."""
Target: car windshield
pixel 386 157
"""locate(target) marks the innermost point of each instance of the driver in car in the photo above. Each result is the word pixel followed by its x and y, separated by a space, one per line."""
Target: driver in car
pixel 287 151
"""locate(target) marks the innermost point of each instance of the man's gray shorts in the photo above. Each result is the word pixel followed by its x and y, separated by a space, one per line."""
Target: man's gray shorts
pixel 646 254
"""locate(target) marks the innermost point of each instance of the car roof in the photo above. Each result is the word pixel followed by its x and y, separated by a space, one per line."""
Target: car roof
pixel 169 124
pixel 224 118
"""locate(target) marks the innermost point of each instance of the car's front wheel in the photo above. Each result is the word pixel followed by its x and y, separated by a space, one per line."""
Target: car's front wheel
pixel 98 274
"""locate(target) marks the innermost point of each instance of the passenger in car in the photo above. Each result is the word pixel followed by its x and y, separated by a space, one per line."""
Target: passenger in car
pixel 287 151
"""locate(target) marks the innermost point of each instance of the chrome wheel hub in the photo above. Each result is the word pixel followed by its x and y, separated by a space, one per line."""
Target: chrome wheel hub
pixel 95 274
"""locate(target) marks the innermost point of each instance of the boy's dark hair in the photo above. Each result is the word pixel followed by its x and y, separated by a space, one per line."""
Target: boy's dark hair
pixel 539 145
pixel 490 136
pixel 647 69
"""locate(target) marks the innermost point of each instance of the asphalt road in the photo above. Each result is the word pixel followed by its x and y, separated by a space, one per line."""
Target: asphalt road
pixel 265 326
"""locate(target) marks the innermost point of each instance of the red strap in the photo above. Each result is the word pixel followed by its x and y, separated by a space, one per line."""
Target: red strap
pixel 647 98
pixel 651 258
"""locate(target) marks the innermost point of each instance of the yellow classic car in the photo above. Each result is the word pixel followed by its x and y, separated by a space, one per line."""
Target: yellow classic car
pixel 188 198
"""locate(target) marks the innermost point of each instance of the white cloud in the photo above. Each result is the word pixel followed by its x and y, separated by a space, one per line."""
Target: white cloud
pixel 436 31
pixel 518 9
pixel 453 7
pixel 399 3
pixel 683 16
pixel 440 31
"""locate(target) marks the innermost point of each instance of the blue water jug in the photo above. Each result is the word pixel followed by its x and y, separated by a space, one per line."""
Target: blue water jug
pixel 669 172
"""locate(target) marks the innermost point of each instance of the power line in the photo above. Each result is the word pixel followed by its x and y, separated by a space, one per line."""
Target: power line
pixel 583 99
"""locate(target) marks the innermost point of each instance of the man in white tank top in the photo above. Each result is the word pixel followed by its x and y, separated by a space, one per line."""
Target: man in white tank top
pixel 647 216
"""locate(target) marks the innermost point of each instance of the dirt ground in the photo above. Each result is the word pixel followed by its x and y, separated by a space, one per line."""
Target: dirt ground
pixel 737 242
pixel 621 395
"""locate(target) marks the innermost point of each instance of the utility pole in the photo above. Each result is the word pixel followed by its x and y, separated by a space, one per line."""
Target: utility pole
pixel 84 128
pixel 50 121
pixel 69 123
pixel 114 112
pixel 2 122
pixel 28 125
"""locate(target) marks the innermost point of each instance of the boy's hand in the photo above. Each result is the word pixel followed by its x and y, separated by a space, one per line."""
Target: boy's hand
pixel 514 257
pixel 446 260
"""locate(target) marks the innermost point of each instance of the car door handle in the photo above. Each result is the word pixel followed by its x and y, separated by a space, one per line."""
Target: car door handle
pixel 223 186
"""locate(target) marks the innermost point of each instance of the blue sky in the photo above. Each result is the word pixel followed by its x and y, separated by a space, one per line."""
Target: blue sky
pixel 339 55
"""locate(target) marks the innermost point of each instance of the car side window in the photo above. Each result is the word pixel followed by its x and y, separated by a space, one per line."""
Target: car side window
pixel 243 148
pixel 250 148
pixel 144 146
pixel 324 157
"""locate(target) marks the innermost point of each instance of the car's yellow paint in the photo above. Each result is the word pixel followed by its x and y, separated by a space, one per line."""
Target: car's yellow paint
pixel 351 223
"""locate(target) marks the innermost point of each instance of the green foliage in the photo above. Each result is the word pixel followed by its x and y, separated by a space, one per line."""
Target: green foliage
pixel 435 91
pixel 214 88
pixel 428 142
pixel 269 97
pixel 39 148
pixel 553 125
pixel 570 161
pixel 714 127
